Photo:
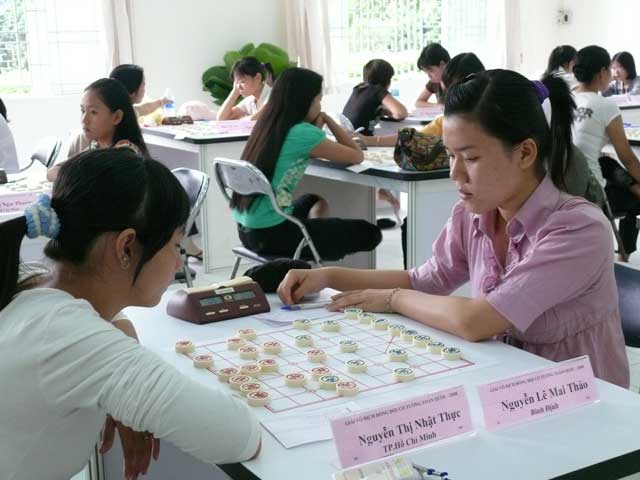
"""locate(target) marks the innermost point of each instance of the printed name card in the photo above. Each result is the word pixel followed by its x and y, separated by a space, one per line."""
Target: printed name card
pixel 372 434
pixel 537 394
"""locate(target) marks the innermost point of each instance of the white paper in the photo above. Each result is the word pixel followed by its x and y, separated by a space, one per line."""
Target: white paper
pixel 295 430
pixel 277 315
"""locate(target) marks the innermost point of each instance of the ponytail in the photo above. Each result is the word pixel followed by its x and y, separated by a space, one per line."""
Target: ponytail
pixel 270 76
pixel 251 66
pixel 11 234
pixel 508 107
pixel 560 151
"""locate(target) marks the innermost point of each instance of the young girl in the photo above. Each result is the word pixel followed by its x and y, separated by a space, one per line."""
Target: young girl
pixel 625 80
pixel 252 80
pixel 107 119
pixel 599 122
pixel 561 62
pixel 132 77
pixel 371 98
pixel 116 221
pixel 432 60
pixel 287 134
pixel 539 260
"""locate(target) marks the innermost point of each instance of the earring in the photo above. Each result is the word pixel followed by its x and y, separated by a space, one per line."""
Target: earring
pixel 125 262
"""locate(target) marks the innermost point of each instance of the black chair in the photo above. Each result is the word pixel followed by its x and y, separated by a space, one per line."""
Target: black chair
pixel 196 184
pixel 46 152
pixel 628 280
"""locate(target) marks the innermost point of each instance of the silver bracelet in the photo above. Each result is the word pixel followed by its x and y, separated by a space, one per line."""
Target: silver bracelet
pixel 388 308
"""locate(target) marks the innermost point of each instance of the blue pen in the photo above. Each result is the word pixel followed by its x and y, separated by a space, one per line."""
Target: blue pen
pixel 304 306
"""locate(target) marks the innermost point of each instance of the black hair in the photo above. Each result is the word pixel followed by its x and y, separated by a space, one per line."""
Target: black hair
pixel 559 57
pixel 432 55
pixel 278 116
pixel 590 61
pixel 626 61
pixel 460 67
pixel 378 72
pixel 129 75
pixel 3 110
pixel 99 191
pixel 115 97
pixel 251 66
pixel 507 106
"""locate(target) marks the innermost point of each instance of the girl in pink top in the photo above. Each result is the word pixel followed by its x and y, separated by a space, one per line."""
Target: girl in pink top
pixel 540 261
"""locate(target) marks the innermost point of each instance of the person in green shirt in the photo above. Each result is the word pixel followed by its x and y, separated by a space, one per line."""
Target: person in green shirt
pixel 286 136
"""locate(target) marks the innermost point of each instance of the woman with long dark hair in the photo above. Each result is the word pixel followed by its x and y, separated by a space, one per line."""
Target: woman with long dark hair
pixel 540 261
pixel 598 123
pixel 625 79
pixel 108 120
pixel 286 136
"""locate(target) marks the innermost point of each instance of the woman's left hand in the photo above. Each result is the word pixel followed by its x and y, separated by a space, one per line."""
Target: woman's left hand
pixel 367 300
pixel 138 448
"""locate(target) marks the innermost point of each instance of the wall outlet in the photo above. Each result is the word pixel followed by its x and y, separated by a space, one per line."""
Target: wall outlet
pixel 564 17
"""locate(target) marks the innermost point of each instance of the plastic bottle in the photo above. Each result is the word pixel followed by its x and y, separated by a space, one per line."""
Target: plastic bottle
pixel 169 108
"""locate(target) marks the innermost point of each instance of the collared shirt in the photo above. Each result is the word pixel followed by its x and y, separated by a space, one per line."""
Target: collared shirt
pixel 557 287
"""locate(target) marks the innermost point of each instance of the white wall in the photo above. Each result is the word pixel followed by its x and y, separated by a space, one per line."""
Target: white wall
pixel 176 42
pixel 593 22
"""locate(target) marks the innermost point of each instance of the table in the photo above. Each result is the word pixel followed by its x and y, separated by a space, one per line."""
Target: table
pixel 596 441
pixel 431 194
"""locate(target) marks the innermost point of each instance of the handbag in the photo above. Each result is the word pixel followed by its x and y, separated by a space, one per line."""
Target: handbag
pixel 419 151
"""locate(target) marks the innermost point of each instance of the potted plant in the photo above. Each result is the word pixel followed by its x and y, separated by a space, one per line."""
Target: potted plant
pixel 217 80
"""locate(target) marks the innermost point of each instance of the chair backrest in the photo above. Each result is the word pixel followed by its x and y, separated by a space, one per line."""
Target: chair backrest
pixel 242 177
pixel 196 184
pixel 628 280
pixel 47 151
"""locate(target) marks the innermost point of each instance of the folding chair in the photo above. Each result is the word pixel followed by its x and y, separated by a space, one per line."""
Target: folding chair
pixel 196 184
pixel 244 178
pixel 46 152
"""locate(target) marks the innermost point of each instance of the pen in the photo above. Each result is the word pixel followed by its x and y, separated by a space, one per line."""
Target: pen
pixel 358 130
pixel 304 306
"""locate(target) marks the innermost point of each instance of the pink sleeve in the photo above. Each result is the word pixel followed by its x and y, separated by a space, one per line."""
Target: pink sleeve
pixel 448 267
pixel 569 254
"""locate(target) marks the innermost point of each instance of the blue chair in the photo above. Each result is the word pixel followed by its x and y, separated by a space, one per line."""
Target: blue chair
pixel 628 280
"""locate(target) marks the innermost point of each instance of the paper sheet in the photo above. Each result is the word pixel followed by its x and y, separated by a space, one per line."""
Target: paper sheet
pixel 295 430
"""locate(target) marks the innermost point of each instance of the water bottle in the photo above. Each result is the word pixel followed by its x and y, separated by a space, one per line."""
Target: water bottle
pixel 169 108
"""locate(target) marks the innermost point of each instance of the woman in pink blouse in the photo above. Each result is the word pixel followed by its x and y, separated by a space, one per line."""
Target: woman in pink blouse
pixel 540 261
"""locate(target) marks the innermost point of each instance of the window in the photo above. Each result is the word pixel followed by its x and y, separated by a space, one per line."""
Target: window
pixel 50 47
pixel 396 30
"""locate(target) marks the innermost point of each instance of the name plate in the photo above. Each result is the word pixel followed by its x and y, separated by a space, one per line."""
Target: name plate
pixel 382 431
pixel 537 394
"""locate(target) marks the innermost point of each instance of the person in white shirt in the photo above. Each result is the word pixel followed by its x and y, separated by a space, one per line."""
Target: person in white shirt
pixel 252 80
pixel 116 221
pixel 599 122
pixel 8 155
pixel 561 62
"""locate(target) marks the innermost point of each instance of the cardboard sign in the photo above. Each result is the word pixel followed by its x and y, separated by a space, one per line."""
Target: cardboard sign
pixel 372 434
pixel 537 394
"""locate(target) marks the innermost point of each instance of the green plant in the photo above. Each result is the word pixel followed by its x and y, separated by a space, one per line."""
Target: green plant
pixel 217 80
